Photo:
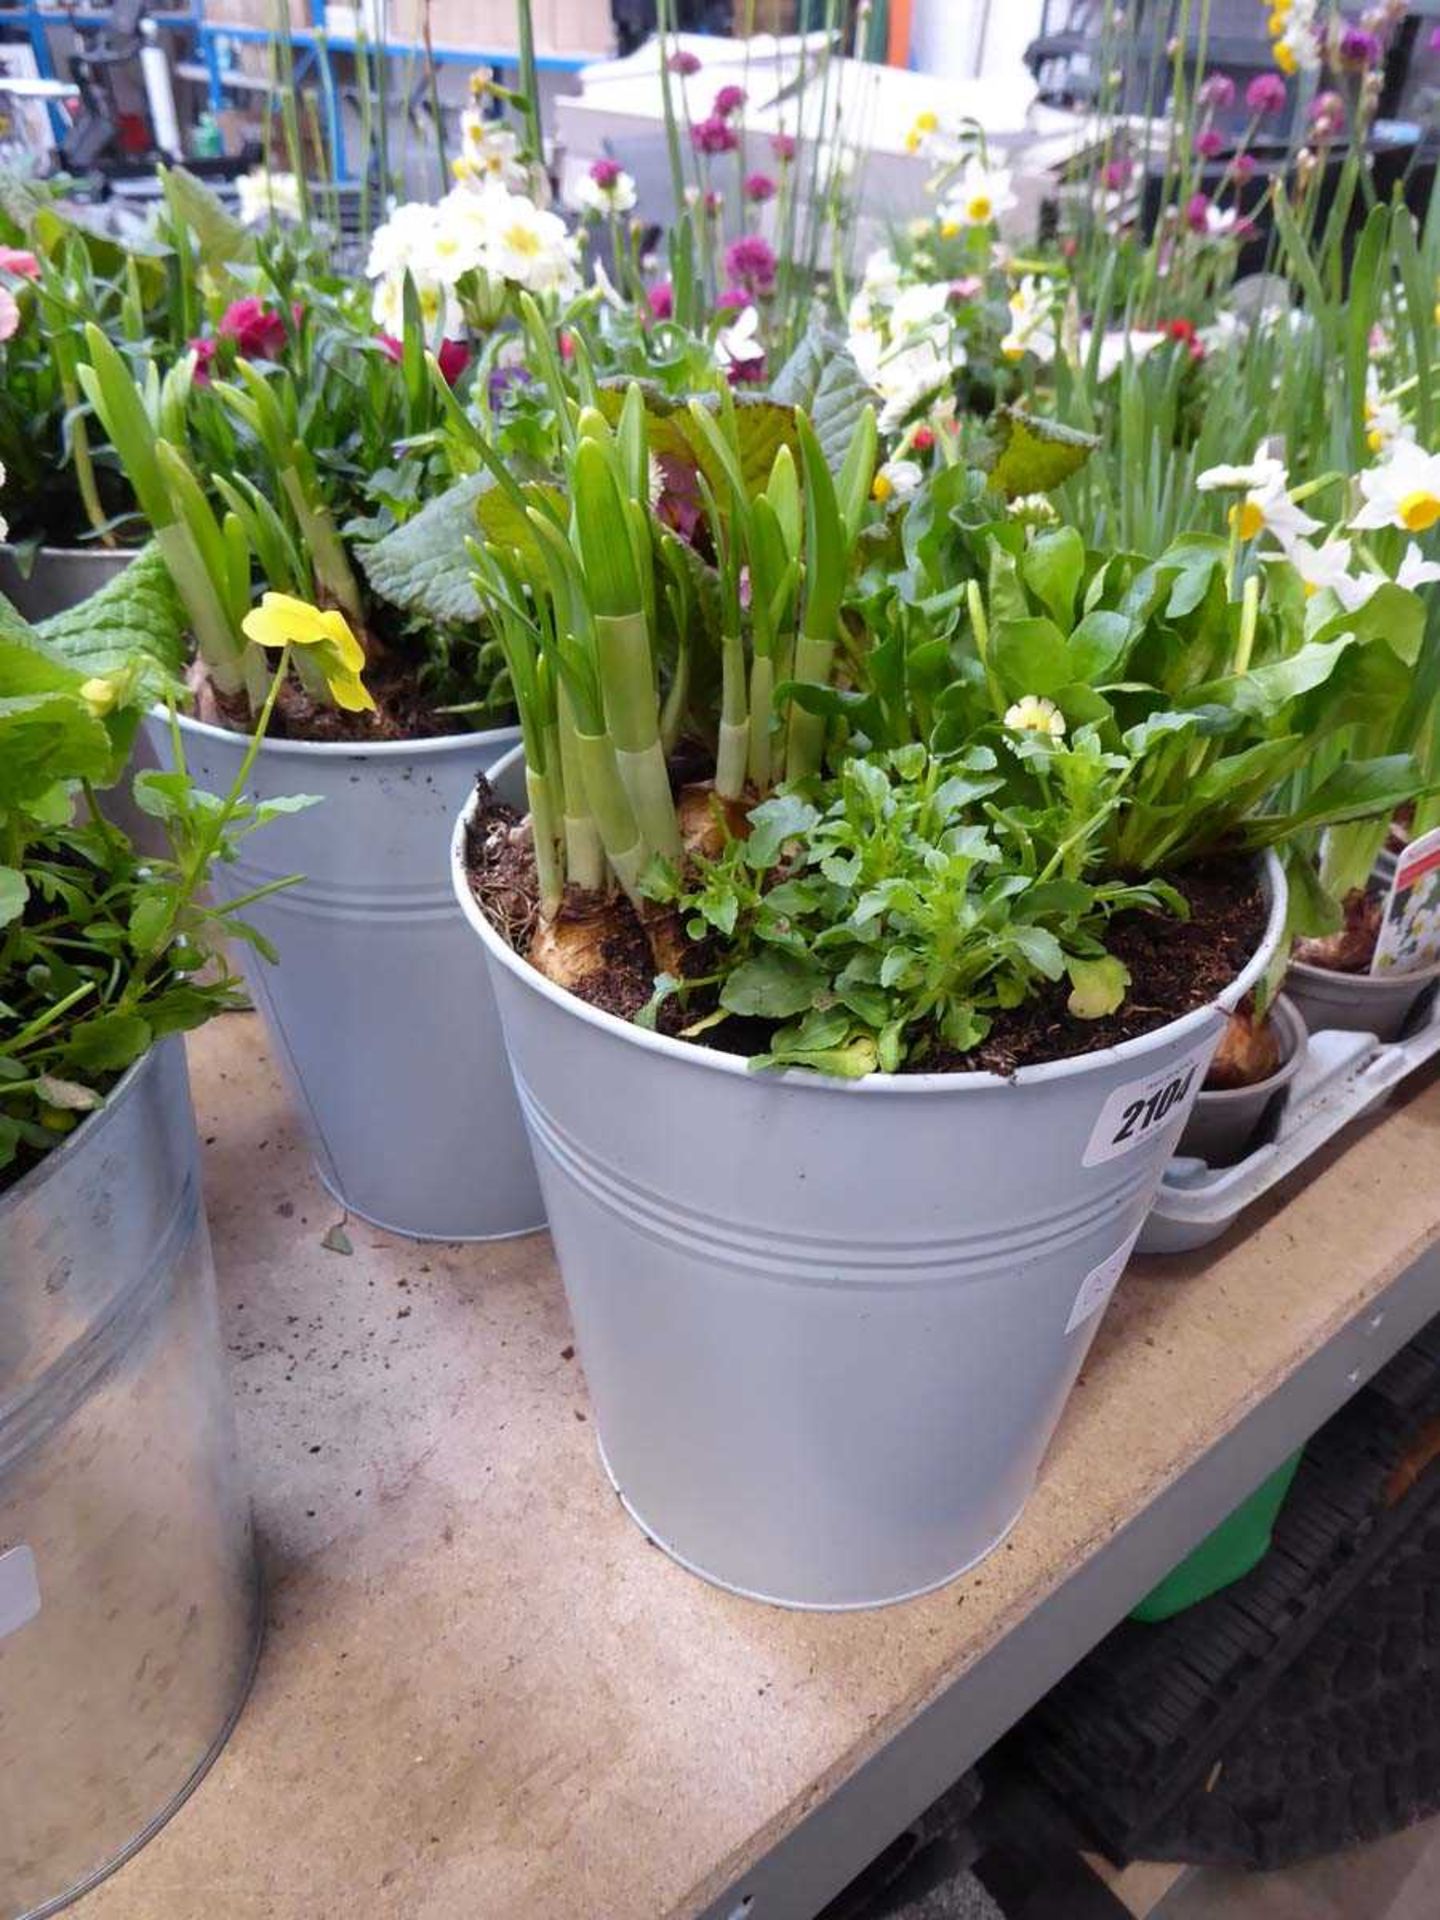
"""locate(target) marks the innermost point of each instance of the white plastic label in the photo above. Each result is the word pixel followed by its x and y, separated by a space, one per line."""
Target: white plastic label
pixel 1135 1113
pixel 1098 1285
pixel 19 1589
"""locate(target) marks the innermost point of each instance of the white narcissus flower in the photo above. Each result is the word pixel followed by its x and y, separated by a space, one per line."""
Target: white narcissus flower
pixel 264 194
pixel 739 344
pixel 911 375
pixel 1384 422
pixel 1116 349
pixel 897 480
pixel 1034 714
pixel 979 197
pixel 1032 320
pixel 1328 565
pixel 1415 572
pixel 1267 506
pixel 881 279
pixel 1403 490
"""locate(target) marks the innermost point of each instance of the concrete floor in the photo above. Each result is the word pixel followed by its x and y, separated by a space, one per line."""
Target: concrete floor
pixel 1395 1879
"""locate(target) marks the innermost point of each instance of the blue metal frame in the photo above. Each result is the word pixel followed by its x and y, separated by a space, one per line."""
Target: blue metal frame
pixel 312 44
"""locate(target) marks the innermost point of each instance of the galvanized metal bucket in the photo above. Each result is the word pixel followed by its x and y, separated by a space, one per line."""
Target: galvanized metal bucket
pixel 829 1327
pixel 61 577
pixel 384 1025
pixel 129 1601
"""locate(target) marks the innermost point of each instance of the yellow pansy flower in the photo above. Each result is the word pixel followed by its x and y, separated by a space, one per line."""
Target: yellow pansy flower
pixel 281 620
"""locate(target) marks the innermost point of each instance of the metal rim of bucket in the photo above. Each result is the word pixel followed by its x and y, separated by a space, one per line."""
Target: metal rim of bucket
pixel 875 1085
pixel 380 750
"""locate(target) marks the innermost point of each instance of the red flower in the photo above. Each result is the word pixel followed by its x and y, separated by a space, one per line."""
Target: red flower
pixel 567 345
pixel 453 358
pixel 605 173
pixel 661 298
pixel 204 352
pixel 1184 332
pixel 923 439
pixel 683 62
pixel 257 330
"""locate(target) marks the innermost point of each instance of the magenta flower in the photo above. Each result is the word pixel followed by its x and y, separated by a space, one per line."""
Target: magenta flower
pixel 257 330
pixel 731 300
pixel 454 357
pixel 1266 94
pixel 661 299
pixel 683 62
pixel 1243 166
pixel 759 188
pixel 714 136
pixel 1435 40
pixel 1359 48
pixel 605 173
pixel 1216 90
pixel 727 101
pixel 204 352
pixel 750 262
pixel 966 287
pixel 1115 174
pixel 1208 143
pixel 782 145
pixel 1196 208
pixel 714 204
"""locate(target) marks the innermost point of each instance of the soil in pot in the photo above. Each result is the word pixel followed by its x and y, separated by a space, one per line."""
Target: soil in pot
pixel 1175 965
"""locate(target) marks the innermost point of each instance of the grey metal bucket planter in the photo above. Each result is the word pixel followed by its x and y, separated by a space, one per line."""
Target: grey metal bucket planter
pixel 61 577
pixel 384 1025
pixel 129 1601
pixel 829 1327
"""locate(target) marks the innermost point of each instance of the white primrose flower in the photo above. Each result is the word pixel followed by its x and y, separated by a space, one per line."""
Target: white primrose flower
pixel 897 480
pixel 881 279
pixel 1266 506
pixel 490 152
pixel 1403 490
pixel 978 197
pixel 1032 320
pixel 263 194
pixel 1034 714
pixel 529 246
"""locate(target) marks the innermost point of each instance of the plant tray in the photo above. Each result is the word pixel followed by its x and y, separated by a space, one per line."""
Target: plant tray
pixel 1341 1078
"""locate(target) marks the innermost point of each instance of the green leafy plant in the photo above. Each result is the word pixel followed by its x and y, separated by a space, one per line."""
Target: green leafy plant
pixel 102 951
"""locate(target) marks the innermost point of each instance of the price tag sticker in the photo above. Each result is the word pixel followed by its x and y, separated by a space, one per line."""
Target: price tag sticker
pixel 19 1590
pixel 1098 1285
pixel 1135 1113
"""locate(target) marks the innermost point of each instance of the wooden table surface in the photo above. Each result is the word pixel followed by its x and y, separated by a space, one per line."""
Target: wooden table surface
pixel 484 1695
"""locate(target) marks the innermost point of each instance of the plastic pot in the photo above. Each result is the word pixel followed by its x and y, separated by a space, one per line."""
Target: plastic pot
pixel 1378 1003
pixel 61 577
pixel 1223 1121
pixel 384 1026
pixel 129 1598
pixel 828 1327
